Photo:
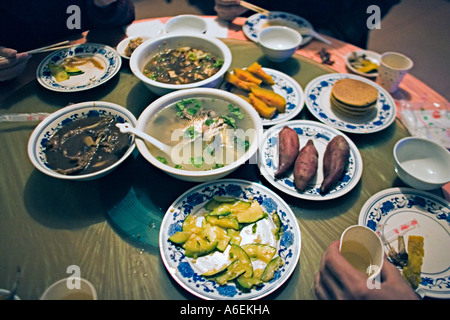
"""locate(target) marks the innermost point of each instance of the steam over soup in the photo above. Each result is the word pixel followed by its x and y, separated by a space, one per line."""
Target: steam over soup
pixel 182 66
pixel 205 133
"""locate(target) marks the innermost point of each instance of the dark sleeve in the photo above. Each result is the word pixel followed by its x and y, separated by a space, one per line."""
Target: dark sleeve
pixel 116 14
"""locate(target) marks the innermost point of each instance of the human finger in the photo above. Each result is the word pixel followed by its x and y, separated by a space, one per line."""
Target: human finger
pixel 17 59
pixel 13 71
pixel 7 52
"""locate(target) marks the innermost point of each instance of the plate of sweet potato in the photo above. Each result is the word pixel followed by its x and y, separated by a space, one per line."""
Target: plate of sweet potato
pixel 309 160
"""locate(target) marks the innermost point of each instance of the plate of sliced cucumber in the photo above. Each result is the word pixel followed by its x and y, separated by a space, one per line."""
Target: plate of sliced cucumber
pixel 230 239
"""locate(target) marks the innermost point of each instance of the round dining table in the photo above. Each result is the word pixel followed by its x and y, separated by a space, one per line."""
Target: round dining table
pixel 50 226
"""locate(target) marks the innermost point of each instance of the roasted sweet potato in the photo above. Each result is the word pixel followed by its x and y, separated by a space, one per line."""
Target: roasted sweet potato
pixel 263 109
pixel 271 98
pixel 288 149
pixel 234 80
pixel 335 160
pixel 305 167
pixel 256 69
pixel 247 76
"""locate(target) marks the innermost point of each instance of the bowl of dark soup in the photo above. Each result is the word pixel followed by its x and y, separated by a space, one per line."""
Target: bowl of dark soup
pixel 212 132
pixel 180 61
pixel 81 141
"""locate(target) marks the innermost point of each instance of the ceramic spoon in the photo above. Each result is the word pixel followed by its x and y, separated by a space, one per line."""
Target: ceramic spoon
pixel 127 128
pixel 313 33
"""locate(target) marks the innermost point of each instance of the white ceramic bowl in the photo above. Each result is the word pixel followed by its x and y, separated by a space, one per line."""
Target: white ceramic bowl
pixel 279 43
pixel 56 121
pixel 186 24
pixel 369 55
pixel 124 44
pixel 142 55
pixel 422 163
pixel 199 176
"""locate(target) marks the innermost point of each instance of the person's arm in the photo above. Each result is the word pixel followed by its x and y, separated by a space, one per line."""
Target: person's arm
pixel 228 10
pixel 110 13
pixel 337 279
pixel 13 65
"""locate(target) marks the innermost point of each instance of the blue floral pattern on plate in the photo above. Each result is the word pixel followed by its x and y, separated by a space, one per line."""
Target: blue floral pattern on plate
pixel 107 55
pixel 393 207
pixel 181 267
pixel 285 86
pixel 255 23
pixel 321 134
pixel 317 96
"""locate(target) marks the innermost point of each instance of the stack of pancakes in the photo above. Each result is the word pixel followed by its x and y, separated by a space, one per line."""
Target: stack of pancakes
pixel 353 97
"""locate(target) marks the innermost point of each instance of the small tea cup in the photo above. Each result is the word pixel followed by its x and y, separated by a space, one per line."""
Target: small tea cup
pixel 70 289
pixel 279 43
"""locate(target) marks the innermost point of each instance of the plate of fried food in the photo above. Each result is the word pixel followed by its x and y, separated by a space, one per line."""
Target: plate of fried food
pixel 275 96
pixel 78 68
pixel 415 228
pixel 230 239
pixel 350 103
pixel 309 160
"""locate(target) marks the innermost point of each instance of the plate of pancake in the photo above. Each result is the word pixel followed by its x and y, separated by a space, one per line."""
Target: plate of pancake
pixel 350 103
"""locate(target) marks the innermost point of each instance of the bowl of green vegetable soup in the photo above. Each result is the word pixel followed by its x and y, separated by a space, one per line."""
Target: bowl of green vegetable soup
pixel 180 61
pixel 212 132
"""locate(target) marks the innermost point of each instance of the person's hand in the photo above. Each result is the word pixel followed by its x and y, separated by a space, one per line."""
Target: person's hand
pixel 13 65
pixel 337 279
pixel 228 10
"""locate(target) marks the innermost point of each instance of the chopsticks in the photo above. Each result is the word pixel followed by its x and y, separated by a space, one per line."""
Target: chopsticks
pixel 52 47
pixel 253 7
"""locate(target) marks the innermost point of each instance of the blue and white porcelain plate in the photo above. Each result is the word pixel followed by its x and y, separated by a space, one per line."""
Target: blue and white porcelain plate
pixel 285 86
pixel 187 271
pixel 255 23
pixel 320 134
pixel 107 64
pixel 317 95
pixel 396 209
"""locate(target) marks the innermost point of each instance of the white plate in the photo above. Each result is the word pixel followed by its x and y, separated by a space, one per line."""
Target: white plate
pixel 285 86
pixel 124 44
pixel 321 134
pixel 92 76
pixel 317 95
pixel 370 55
pixel 255 23
pixel 187 272
pixel 394 207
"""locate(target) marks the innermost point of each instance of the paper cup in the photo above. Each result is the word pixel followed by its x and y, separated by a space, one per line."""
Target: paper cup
pixel 363 248
pixel 70 289
pixel 393 67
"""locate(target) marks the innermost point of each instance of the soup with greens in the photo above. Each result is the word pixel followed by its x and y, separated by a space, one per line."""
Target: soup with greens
pixel 205 133
pixel 182 66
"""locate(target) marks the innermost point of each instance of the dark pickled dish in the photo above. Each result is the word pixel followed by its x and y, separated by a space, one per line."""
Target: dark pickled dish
pixel 86 145
pixel 182 66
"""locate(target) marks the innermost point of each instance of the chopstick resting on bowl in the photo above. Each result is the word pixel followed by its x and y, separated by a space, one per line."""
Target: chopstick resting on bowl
pixel 253 7
pixel 52 47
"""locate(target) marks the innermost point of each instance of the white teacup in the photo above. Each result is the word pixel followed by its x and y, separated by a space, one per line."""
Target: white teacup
pixel 393 67
pixel 363 248
pixel 279 43
pixel 72 288
pixel 186 24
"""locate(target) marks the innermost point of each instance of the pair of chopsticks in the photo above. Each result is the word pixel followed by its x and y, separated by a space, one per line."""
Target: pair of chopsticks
pixel 253 7
pixel 52 47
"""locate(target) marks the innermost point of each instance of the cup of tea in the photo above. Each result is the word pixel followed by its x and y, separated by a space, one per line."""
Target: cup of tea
pixel 363 248
pixel 279 43
pixel 72 288
pixel 392 70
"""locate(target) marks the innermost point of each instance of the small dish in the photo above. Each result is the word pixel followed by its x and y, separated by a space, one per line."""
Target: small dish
pixel 279 43
pixel 123 45
pixel 422 163
pixel 361 62
pixel 187 271
pixel 186 24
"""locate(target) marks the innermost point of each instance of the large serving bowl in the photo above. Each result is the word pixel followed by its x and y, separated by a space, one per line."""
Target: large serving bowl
pixel 142 55
pixel 57 120
pixel 422 163
pixel 200 93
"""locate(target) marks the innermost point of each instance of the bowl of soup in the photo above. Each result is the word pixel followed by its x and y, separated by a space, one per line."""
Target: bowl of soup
pixel 212 132
pixel 81 141
pixel 180 61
